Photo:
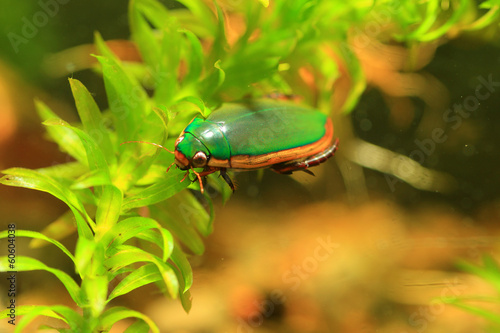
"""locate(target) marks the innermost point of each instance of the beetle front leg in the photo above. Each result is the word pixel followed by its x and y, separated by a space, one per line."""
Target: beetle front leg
pixel 204 173
pixel 199 179
pixel 222 173
pixel 288 168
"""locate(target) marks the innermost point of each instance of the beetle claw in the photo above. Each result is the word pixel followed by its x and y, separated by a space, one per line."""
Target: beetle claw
pixel 308 172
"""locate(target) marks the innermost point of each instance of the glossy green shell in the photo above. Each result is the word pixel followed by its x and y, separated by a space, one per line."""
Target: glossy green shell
pixel 256 128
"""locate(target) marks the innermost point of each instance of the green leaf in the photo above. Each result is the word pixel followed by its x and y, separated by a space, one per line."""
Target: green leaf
pixel 240 76
pixel 430 17
pixel 37 235
pixel 203 14
pixel 213 81
pixel 29 264
pixel 164 116
pixel 167 74
pixel 220 45
pixel 133 227
pixel 108 208
pixel 158 192
pixel 192 212
pixel 151 236
pixel 154 11
pixel 211 217
pixel 133 167
pixel 358 78
pixel 127 100
pixel 66 139
pixel 487 19
pixel 95 156
pixel 31 312
pixel 70 170
pixel 141 276
pixel 140 326
pixel 90 179
pixel 490 272
pixel 103 49
pixel 124 255
pixel 87 197
pixel 84 252
pixel 92 120
pixel 198 103
pixel 59 229
pixel 264 3
pixel 95 290
pixel 458 12
pixel 22 310
pixel 117 313
pixel 219 186
pixel 184 294
pixel 179 259
pixel 478 311
pixel 186 300
pixel 169 214
pixel 32 179
pixel 142 33
pixel 489 4
pixel 165 241
pixel 194 58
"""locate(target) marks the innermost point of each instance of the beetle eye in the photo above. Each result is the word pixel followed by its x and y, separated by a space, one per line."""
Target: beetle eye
pixel 199 159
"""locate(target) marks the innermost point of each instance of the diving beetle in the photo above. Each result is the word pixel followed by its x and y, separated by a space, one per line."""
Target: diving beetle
pixel 254 135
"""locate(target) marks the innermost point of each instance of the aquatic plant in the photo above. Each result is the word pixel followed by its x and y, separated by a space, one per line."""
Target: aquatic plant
pixel 479 305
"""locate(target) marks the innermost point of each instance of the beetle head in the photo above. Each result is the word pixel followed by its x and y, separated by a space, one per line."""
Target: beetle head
pixel 190 152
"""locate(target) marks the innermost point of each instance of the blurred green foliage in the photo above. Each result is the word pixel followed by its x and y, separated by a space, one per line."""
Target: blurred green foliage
pixel 489 271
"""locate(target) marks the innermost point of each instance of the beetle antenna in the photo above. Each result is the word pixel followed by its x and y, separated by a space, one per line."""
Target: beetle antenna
pixel 149 143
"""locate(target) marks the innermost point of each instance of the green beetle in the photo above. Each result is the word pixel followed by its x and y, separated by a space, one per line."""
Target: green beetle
pixel 254 135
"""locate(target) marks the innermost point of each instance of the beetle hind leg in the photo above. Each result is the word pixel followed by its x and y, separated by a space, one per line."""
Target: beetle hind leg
pixel 288 168
pixel 308 172
pixel 226 178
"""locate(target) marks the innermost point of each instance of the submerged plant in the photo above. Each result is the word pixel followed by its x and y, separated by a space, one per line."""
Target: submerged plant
pixel 479 305
pixel 119 197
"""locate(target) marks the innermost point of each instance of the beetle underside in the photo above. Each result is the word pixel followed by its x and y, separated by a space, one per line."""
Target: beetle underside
pixel 285 168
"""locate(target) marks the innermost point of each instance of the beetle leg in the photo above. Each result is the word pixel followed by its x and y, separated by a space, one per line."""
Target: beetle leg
pixel 199 179
pixel 170 167
pixel 185 176
pixel 288 168
pixel 226 178
pixel 208 170
pixel 308 172
pixel 204 173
